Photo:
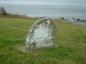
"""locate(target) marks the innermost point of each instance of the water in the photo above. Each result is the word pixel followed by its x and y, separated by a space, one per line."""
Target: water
pixel 71 8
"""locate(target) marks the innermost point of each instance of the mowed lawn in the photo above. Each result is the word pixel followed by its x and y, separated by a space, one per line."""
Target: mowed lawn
pixel 70 41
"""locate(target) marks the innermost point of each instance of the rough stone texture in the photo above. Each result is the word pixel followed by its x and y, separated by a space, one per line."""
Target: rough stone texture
pixel 41 34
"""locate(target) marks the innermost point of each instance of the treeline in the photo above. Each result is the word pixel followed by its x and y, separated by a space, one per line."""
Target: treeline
pixel 5 14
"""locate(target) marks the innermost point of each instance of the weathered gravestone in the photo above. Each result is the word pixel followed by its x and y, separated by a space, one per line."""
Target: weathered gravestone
pixel 41 34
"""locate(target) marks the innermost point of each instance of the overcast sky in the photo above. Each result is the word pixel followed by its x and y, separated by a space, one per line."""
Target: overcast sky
pixel 43 2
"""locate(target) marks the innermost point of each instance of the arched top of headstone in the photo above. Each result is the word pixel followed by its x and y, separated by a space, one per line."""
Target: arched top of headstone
pixel 43 20
pixel 40 21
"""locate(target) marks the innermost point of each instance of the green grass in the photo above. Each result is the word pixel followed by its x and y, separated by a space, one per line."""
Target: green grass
pixel 70 38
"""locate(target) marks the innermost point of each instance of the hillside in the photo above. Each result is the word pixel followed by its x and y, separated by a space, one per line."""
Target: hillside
pixel 70 38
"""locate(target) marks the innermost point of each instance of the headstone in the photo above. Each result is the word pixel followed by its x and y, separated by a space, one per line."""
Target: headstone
pixel 41 34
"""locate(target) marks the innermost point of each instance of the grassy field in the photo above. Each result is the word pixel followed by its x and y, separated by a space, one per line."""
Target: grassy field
pixel 70 38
